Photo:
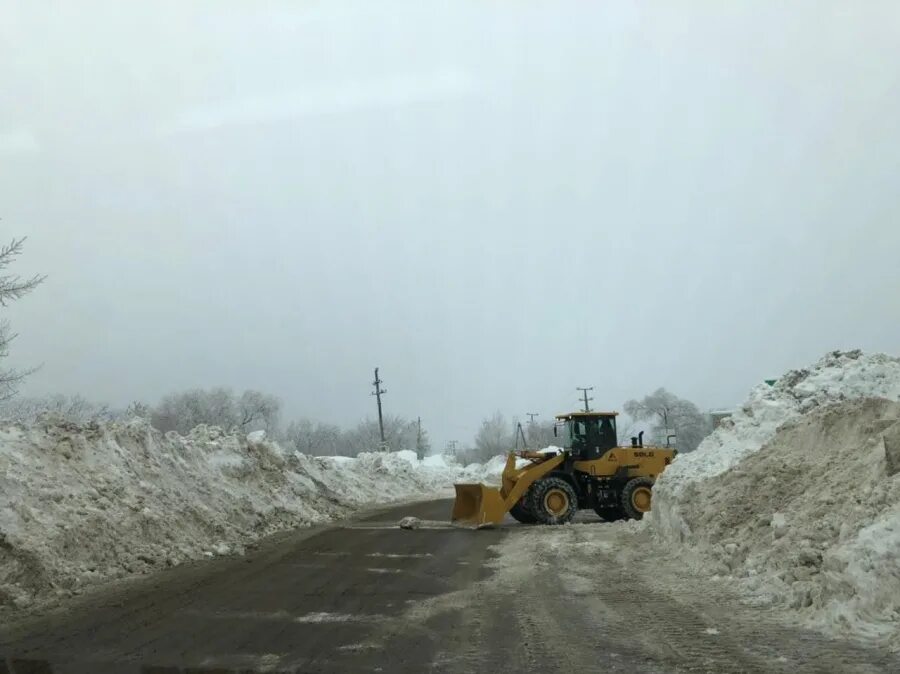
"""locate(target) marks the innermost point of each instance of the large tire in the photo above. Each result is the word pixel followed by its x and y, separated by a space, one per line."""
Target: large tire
pixel 636 497
pixel 608 514
pixel 521 513
pixel 553 501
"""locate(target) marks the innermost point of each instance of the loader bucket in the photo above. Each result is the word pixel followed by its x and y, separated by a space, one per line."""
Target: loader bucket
pixel 477 505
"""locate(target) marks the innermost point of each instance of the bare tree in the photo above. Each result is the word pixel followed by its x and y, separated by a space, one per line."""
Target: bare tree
pixel 399 434
pixel 258 410
pixel 671 415
pixel 314 438
pixel 138 409
pixel 12 287
pixel 217 407
pixel 540 435
pixel 494 437
pixel 423 442
pixel 74 408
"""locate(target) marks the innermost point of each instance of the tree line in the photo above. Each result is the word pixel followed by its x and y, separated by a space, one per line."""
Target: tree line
pixel 664 416
pixel 185 410
pixel 242 413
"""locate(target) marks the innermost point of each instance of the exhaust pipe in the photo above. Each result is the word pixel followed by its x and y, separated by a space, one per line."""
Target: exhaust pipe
pixel 641 439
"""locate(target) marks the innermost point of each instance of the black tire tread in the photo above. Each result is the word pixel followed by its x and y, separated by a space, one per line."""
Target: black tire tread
pixel 627 490
pixel 520 510
pixel 537 491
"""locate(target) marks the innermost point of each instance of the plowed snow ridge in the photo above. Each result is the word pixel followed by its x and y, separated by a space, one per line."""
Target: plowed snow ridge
pixel 796 500
pixel 84 504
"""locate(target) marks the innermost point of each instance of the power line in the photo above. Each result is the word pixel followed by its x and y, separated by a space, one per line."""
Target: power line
pixel 584 390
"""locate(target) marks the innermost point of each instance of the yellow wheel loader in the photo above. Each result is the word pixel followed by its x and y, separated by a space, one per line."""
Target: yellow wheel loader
pixel 591 472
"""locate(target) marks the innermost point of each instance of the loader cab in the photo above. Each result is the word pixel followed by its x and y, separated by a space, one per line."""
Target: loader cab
pixel 589 435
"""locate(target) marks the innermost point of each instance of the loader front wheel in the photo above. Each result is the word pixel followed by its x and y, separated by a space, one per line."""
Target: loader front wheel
pixel 521 513
pixel 636 497
pixel 553 501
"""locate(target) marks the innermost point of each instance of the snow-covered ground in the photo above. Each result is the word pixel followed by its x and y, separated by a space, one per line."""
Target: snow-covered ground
pixel 796 499
pixel 83 504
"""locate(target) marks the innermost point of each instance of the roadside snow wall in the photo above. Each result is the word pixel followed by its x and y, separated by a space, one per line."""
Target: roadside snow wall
pixel 84 504
pixel 797 500
pixel 837 377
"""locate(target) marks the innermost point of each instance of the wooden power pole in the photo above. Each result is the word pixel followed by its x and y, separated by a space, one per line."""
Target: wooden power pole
pixel 584 390
pixel 378 393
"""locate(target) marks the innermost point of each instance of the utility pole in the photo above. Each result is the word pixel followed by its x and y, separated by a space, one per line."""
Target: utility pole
pixel 378 393
pixel 584 390
pixel 520 434
pixel 531 416
pixel 451 445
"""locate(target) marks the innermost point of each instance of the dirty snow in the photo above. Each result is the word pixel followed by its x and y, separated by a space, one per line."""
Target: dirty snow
pixel 80 505
pixel 796 502
pixel 836 377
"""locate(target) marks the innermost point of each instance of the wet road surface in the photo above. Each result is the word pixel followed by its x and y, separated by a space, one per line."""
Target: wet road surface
pixel 366 596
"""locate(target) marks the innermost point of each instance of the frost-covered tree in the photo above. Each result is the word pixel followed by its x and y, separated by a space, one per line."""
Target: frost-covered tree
pixel 250 411
pixel 258 411
pixel 313 438
pixel 670 415
pixel 138 409
pixel 494 437
pixel 540 435
pixel 399 434
pixel 423 443
pixel 12 287
pixel 72 408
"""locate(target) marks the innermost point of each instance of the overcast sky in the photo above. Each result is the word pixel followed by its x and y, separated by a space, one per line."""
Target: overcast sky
pixel 495 202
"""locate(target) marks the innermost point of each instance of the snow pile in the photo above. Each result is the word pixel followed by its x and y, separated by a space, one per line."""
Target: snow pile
pixel 83 504
pixel 811 521
pixel 837 377
pixel 797 501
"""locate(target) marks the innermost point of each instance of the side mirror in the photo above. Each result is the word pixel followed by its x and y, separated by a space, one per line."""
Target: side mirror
pixel 554 432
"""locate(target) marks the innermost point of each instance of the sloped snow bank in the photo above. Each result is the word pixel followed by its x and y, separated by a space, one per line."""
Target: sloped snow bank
pixel 84 504
pixel 797 502
pixel 837 377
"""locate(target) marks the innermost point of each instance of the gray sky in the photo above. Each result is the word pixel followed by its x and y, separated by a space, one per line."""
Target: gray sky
pixel 495 202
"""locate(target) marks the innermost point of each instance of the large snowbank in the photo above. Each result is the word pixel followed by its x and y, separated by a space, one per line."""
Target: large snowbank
pixel 837 377
pixel 83 504
pixel 797 500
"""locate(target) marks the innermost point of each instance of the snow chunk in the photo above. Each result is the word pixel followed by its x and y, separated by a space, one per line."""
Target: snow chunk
pixel 256 436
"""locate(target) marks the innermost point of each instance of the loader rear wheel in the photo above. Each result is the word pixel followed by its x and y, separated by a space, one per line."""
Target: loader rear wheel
pixel 553 501
pixel 636 497
pixel 521 513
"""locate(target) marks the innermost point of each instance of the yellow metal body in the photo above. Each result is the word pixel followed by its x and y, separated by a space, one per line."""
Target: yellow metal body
pixel 638 461
pixel 479 505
